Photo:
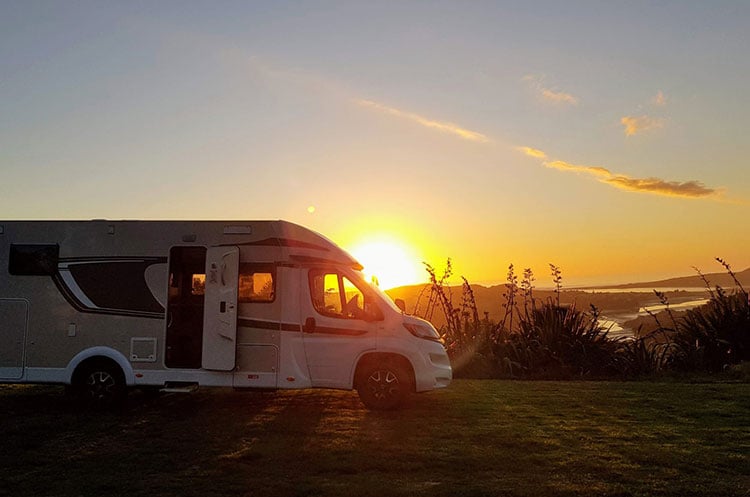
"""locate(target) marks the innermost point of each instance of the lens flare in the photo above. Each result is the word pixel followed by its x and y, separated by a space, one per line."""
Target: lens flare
pixel 391 262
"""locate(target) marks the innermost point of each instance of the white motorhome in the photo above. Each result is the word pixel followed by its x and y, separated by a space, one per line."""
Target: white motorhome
pixel 106 305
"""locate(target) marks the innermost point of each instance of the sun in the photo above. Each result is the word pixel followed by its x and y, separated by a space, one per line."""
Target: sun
pixel 390 261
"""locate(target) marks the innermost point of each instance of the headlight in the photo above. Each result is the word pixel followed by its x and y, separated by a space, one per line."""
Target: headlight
pixel 423 331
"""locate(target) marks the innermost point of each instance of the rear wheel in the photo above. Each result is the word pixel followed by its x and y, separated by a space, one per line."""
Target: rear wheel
pixel 101 385
pixel 383 386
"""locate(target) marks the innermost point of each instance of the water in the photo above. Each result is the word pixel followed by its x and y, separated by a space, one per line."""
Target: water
pixel 643 290
pixel 615 321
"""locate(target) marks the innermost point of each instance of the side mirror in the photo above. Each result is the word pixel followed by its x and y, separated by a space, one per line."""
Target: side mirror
pixel 401 305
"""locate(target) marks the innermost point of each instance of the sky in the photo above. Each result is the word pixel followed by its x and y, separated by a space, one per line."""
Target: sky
pixel 607 138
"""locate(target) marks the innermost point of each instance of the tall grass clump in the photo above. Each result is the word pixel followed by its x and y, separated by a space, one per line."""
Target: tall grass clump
pixel 464 334
pixel 643 356
pixel 546 339
pixel 533 339
pixel 717 334
pixel 551 340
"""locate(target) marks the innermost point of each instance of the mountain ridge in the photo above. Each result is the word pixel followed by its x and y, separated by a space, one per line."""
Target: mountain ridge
pixel 490 300
pixel 714 279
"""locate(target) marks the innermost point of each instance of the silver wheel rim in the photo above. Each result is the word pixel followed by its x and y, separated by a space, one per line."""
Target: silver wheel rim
pixel 383 384
pixel 101 385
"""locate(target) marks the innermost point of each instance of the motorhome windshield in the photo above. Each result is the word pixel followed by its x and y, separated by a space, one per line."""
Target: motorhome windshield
pixel 376 289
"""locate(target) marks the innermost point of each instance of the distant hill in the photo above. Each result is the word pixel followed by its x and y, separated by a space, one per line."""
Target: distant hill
pixel 490 300
pixel 721 279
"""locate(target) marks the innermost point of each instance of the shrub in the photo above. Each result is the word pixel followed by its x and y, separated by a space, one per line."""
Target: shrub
pixel 549 340
pixel 555 341
pixel 642 356
pixel 715 335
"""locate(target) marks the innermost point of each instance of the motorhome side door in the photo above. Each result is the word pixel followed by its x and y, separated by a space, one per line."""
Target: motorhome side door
pixel 220 310
pixel 13 317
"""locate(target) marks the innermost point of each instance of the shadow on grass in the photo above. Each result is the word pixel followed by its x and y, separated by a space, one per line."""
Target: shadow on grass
pixel 475 438
pixel 212 442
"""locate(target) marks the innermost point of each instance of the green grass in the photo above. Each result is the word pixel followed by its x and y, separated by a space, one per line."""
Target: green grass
pixel 475 438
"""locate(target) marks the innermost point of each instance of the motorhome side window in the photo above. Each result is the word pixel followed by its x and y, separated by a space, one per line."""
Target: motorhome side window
pixel 33 260
pixel 335 295
pixel 257 283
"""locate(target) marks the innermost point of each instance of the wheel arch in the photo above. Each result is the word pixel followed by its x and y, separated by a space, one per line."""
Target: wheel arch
pixel 100 353
pixel 380 358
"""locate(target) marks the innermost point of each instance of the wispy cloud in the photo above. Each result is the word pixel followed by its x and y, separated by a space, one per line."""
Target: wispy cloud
pixel 660 100
pixel 691 189
pixel 558 97
pixel 533 152
pixel 445 127
pixel 634 125
pixel 548 94
pixel 566 166
pixel 656 186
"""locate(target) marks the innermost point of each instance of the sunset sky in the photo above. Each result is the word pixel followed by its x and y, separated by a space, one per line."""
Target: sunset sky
pixel 608 138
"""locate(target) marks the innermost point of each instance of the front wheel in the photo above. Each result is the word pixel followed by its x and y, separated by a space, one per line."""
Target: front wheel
pixel 383 386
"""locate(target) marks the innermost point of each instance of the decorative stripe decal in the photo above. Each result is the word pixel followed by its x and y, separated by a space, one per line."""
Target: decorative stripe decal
pixel 283 242
pixel 267 325
pixel 320 260
pixel 116 258
pixel 276 325
pixel 109 285
pixel 338 331
pixel 80 307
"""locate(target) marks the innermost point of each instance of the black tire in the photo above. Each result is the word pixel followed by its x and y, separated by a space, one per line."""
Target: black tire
pixel 384 386
pixel 101 385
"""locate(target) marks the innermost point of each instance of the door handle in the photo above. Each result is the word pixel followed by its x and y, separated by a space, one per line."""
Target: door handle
pixel 309 326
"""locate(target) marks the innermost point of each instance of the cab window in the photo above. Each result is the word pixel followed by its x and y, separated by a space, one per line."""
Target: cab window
pixel 335 295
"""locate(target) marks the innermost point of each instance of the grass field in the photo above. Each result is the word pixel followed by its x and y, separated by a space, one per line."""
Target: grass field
pixel 475 438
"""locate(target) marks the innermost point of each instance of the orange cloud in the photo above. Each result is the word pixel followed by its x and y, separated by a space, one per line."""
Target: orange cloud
pixel 445 127
pixel 548 94
pixel 634 125
pixel 533 152
pixel 656 186
pixel 690 189
pixel 558 97
pixel 566 166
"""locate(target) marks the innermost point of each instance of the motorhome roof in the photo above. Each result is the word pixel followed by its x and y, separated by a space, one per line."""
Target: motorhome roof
pixel 296 242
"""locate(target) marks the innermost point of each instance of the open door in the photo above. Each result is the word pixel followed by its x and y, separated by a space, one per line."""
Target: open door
pixel 187 281
pixel 220 309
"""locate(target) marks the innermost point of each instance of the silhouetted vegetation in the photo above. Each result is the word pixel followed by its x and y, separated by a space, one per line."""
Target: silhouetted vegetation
pixel 545 339
pixel 717 334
